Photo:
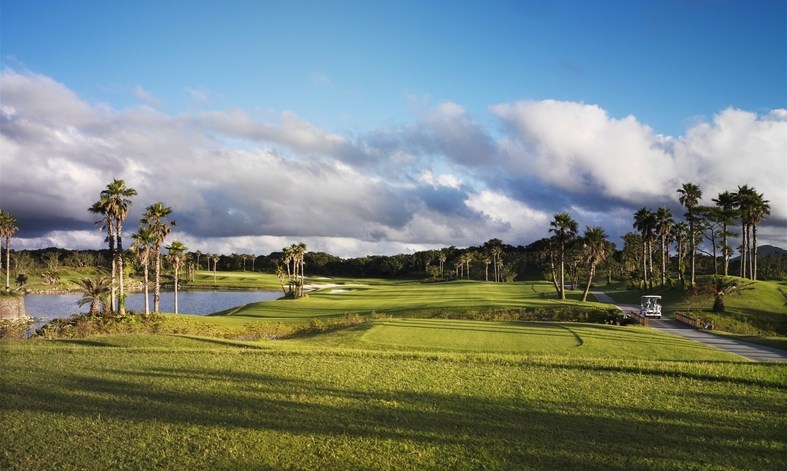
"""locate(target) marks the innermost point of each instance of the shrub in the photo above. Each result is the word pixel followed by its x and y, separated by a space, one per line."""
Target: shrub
pixel 14 328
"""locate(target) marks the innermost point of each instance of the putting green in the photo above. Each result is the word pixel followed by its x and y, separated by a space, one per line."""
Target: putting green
pixel 473 335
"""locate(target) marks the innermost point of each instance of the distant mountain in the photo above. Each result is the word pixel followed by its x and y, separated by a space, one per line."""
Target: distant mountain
pixel 765 250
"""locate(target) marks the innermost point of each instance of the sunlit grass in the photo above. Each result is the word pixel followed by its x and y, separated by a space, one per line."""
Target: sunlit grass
pixel 411 298
pixel 339 404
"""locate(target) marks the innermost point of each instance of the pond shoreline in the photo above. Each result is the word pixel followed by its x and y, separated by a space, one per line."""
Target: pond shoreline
pixel 198 302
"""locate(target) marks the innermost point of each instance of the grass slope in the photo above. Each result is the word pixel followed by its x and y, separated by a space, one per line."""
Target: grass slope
pixel 594 397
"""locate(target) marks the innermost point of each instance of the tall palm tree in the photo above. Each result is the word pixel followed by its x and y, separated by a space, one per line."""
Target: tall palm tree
pixel 93 291
pixel 497 261
pixel 565 230
pixel 176 256
pixel 299 251
pixel 680 233
pixel 118 201
pixel 727 213
pixel 8 227
pixel 645 223
pixel 595 249
pixel 107 222
pixel 487 261
pixel 759 211
pixel 664 223
pixel 469 256
pixel 156 218
pixel 745 201
pixel 690 195
pixel 142 243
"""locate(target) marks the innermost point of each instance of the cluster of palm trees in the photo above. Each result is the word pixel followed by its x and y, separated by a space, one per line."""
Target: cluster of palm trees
pixel 113 205
pixel 593 249
pixel 654 227
pixel 294 262
pixel 491 254
pixel 8 227
pixel 713 223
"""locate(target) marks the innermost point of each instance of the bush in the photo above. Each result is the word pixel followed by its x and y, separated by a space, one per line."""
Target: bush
pixel 14 328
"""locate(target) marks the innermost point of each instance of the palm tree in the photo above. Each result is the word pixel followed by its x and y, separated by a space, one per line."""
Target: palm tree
pixel 176 257
pixel 754 209
pixel 93 291
pixel 595 249
pixel 8 227
pixel 565 230
pixel 142 243
pixel 497 261
pixel 645 223
pixel 102 207
pixel 680 233
pixel 726 213
pixel 299 251
pixel 469 256
pixel 215 259
pixel 664 223
pixel 690 195
pixel 155 218
pixel 118 203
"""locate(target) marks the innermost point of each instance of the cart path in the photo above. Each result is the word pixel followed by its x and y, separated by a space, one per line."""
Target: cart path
pixel 747 350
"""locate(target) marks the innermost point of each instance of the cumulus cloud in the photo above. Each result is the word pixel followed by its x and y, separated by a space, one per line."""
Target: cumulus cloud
pixel 580 149
pixel 240 182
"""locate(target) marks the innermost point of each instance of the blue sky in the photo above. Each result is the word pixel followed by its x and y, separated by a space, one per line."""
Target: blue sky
pixel 443 106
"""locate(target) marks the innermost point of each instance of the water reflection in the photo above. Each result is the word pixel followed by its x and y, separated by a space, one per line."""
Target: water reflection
pixel 51 306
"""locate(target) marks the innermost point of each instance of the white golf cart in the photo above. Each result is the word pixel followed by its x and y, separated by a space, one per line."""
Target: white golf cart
pixel 650 307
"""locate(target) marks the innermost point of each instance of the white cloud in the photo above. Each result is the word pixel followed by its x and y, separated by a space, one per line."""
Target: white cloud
pixel 738 148
pixel 237 181
pixel 580 149
pixel 524 224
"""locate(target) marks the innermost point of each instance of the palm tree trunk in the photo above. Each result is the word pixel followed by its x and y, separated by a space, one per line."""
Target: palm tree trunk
pixel 750 256
pixel 590 280
pixel 644 264
pixel 157 283
pixel 754 249
pixel 147 293
pixel 8 263
pixel 692 249
pixel 664 256
pixel 176 290
pixel 562 272
pixel 121 294
pixel 552 269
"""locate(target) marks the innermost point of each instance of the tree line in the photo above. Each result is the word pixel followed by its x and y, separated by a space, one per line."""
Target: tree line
pixel 702 244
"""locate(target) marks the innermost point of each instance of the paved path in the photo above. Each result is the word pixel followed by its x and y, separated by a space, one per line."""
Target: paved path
pixel 747 350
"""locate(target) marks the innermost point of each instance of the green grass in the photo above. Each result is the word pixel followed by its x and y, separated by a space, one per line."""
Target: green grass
pixel 395 392
pixel 410 298
pixel 758 308
pixel 587 397
pixel 234 280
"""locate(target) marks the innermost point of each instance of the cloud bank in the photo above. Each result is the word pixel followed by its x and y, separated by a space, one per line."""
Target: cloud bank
pixel 251 183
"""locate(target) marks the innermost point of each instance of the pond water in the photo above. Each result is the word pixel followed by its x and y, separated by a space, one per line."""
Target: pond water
pixel 50 306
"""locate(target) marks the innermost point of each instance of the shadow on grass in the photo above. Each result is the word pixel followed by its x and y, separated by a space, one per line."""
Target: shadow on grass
pixel 511 431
